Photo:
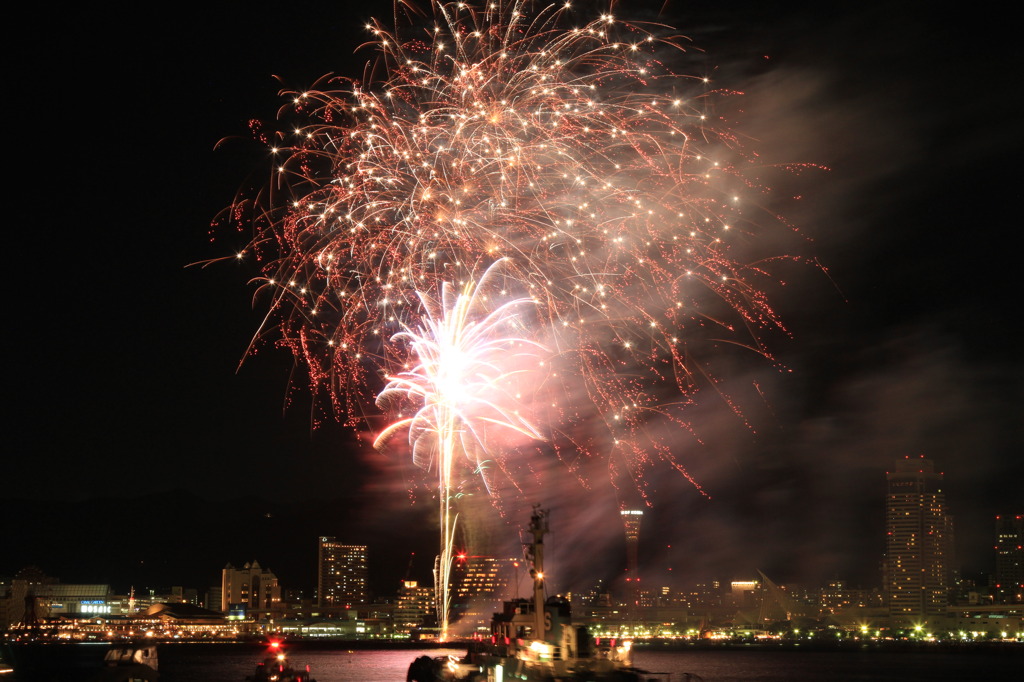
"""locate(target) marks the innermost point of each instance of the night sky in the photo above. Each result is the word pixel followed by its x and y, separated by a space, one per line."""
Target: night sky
pixel 126 408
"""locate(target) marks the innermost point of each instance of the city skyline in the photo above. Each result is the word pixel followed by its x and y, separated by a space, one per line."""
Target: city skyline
pixel 382 565
pixel 919 586
pixel 124 370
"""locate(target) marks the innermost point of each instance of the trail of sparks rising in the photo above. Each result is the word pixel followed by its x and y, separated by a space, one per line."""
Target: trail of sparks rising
pixel 470 391
pixel 570 151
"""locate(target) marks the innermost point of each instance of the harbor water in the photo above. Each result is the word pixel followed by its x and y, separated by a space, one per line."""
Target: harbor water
pixel 233 662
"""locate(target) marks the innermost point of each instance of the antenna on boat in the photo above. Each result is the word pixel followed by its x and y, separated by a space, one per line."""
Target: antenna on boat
pixel 535 554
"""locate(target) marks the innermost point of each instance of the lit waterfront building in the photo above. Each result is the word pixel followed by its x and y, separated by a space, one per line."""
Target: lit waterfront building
pixel 744 593
pixel 59 599
pixel 918 542
pixel 251 588
pixel 1008 579
pixel 413 607
pixel 342 574
pixel 479 586
pixel 479 576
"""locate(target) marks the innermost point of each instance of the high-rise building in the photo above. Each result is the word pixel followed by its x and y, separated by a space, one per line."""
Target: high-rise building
pixel 1008 579
pixel 918 542
pixel 251 588
pixel 631 519
pixel 479 585
pixel 342 575
pixel 479 576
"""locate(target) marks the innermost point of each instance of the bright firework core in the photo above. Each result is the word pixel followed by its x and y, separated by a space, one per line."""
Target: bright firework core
pixel 568 150
pixel 474 369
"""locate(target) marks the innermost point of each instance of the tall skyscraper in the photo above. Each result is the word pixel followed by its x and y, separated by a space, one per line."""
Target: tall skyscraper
pixel 918 542
pixel 631 519
pixel 1008 579
pixel 342 575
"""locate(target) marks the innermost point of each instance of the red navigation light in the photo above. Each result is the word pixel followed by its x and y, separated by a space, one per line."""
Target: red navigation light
pixel 274 644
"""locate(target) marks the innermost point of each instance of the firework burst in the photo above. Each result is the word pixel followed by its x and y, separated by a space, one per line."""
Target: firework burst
pixel 568 149
pixel 469 373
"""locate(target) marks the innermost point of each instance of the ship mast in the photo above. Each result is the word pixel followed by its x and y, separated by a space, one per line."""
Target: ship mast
pixel 535 553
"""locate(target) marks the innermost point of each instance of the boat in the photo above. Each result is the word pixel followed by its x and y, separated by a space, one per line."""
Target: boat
pixel 275 667
pixel 129 662
pixel 536 640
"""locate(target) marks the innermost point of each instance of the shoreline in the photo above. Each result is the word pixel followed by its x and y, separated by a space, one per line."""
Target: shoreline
pixel 645 646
